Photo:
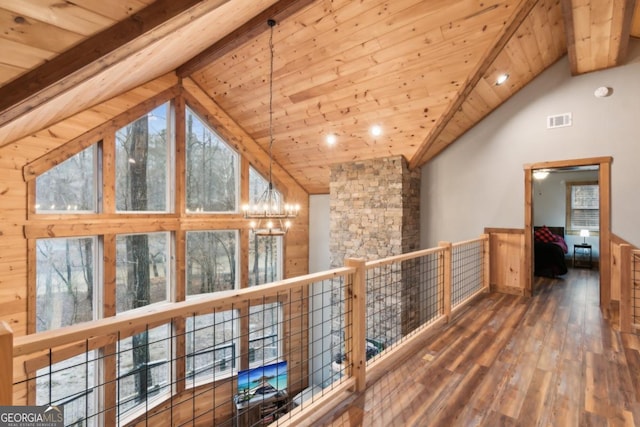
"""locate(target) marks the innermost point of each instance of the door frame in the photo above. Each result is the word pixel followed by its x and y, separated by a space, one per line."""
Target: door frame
pixel 604 182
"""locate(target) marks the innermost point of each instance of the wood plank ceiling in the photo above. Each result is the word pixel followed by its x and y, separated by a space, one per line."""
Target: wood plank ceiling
pixel 424 71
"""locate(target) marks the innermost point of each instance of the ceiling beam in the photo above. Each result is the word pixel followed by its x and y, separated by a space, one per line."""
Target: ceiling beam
pixel 570 34
pixel 618 24
pixel 624 31
pixel 635 21
pixel 248 31
pixel 98 53
pixel 420 157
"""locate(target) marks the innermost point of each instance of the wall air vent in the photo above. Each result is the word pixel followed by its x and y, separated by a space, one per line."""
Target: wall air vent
pixel 559 121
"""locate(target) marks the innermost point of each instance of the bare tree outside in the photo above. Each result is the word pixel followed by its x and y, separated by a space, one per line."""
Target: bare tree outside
pixel 211 261
pixel 142 164
pixel 70 186
pixel 67 268
pixel 212 169
pixel 64 282
pixel 141 186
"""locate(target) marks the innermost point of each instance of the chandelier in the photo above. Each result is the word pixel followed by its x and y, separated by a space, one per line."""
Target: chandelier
pixel 270 216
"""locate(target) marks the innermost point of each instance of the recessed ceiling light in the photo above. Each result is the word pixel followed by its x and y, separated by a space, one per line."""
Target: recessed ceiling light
pixel 331 139
pixel 501 79
pixel 376 130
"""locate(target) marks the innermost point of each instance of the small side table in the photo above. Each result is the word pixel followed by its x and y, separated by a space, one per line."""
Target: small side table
pixel 582 255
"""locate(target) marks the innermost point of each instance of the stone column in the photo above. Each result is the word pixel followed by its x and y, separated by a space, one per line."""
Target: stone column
pixel 374 207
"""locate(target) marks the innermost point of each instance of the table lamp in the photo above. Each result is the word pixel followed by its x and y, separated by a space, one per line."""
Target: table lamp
pixel 584 234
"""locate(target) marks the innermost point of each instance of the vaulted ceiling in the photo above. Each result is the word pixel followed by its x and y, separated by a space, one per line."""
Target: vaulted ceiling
pixel 424 71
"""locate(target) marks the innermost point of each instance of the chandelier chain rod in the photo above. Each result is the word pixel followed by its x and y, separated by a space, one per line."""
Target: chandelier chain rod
pixel 270 207
pixel 271 105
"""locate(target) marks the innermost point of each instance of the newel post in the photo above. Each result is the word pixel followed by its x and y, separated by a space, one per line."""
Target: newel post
pixel 356 321
pixel 486 265
pixel 625 288
pixel 446 282
pixel 6 364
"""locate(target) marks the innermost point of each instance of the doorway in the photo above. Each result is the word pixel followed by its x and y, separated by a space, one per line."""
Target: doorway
pixel 603 165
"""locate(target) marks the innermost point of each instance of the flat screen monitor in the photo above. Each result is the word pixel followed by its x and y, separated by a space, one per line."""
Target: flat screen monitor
pixel 262 381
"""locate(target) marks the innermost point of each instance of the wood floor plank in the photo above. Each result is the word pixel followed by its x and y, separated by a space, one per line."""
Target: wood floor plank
pixel 550 360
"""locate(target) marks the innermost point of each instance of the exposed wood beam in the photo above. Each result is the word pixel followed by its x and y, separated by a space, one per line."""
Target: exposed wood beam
pixel 618 26
pixel 248 31
pixel 628 9
pixel 567 14
pixel 98 53
pixel 509 29
pixel 635 21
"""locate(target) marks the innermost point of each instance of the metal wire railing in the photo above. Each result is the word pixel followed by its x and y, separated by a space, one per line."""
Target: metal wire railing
pixel 468 270
pixel 245 357
pixel 404 293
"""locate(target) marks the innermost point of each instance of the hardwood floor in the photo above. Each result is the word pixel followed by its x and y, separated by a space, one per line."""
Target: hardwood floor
pixel 551 360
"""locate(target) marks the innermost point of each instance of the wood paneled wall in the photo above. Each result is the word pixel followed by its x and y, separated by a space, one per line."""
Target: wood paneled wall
pixel 507 269
pixel 23 159
pixel 616 274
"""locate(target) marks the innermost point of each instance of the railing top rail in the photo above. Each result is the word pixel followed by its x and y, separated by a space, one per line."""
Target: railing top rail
pixel 470 241
pixel 163 312
pixel 402 257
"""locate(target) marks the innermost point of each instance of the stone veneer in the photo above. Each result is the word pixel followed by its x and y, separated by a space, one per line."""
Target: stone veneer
pixel 374 209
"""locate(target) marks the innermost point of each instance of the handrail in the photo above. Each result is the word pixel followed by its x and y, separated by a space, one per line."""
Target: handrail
pixel 470 241
pixel 161 313
pixel 354 286
pixel 403 257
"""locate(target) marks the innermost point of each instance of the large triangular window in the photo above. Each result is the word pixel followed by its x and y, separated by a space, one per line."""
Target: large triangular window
pixel 71 186
pixel 143 163
pixel 211 169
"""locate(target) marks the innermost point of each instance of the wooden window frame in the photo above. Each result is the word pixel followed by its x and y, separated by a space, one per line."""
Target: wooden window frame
pixel 568 209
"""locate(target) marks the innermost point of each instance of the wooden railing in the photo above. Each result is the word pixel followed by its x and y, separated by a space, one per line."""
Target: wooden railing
pixel 628 271
pixel 37 351
pixel 625 283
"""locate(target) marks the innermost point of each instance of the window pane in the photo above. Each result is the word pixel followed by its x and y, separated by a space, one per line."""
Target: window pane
pixel 211 261
pixel 588 219
pixel 585 197
pixel 585 204
pixel 143 368
pixel 65 282
pixel 264 251
pixel 71 383
pixel 142 165
pixel 212 167
pixel 211 346
pixel 257 187
pixel 264 328
pixel 70 186
pixel 264 259
pixel 142 270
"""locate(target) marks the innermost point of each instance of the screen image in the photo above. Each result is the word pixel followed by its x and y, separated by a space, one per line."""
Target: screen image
pixel 262 380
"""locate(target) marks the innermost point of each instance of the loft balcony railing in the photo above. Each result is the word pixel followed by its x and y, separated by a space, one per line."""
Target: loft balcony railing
pixel 627 269
pixel 332 329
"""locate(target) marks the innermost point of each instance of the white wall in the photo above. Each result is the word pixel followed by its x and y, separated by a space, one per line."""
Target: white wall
pixel 319 255
pixel 479 181
pixel 320 311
